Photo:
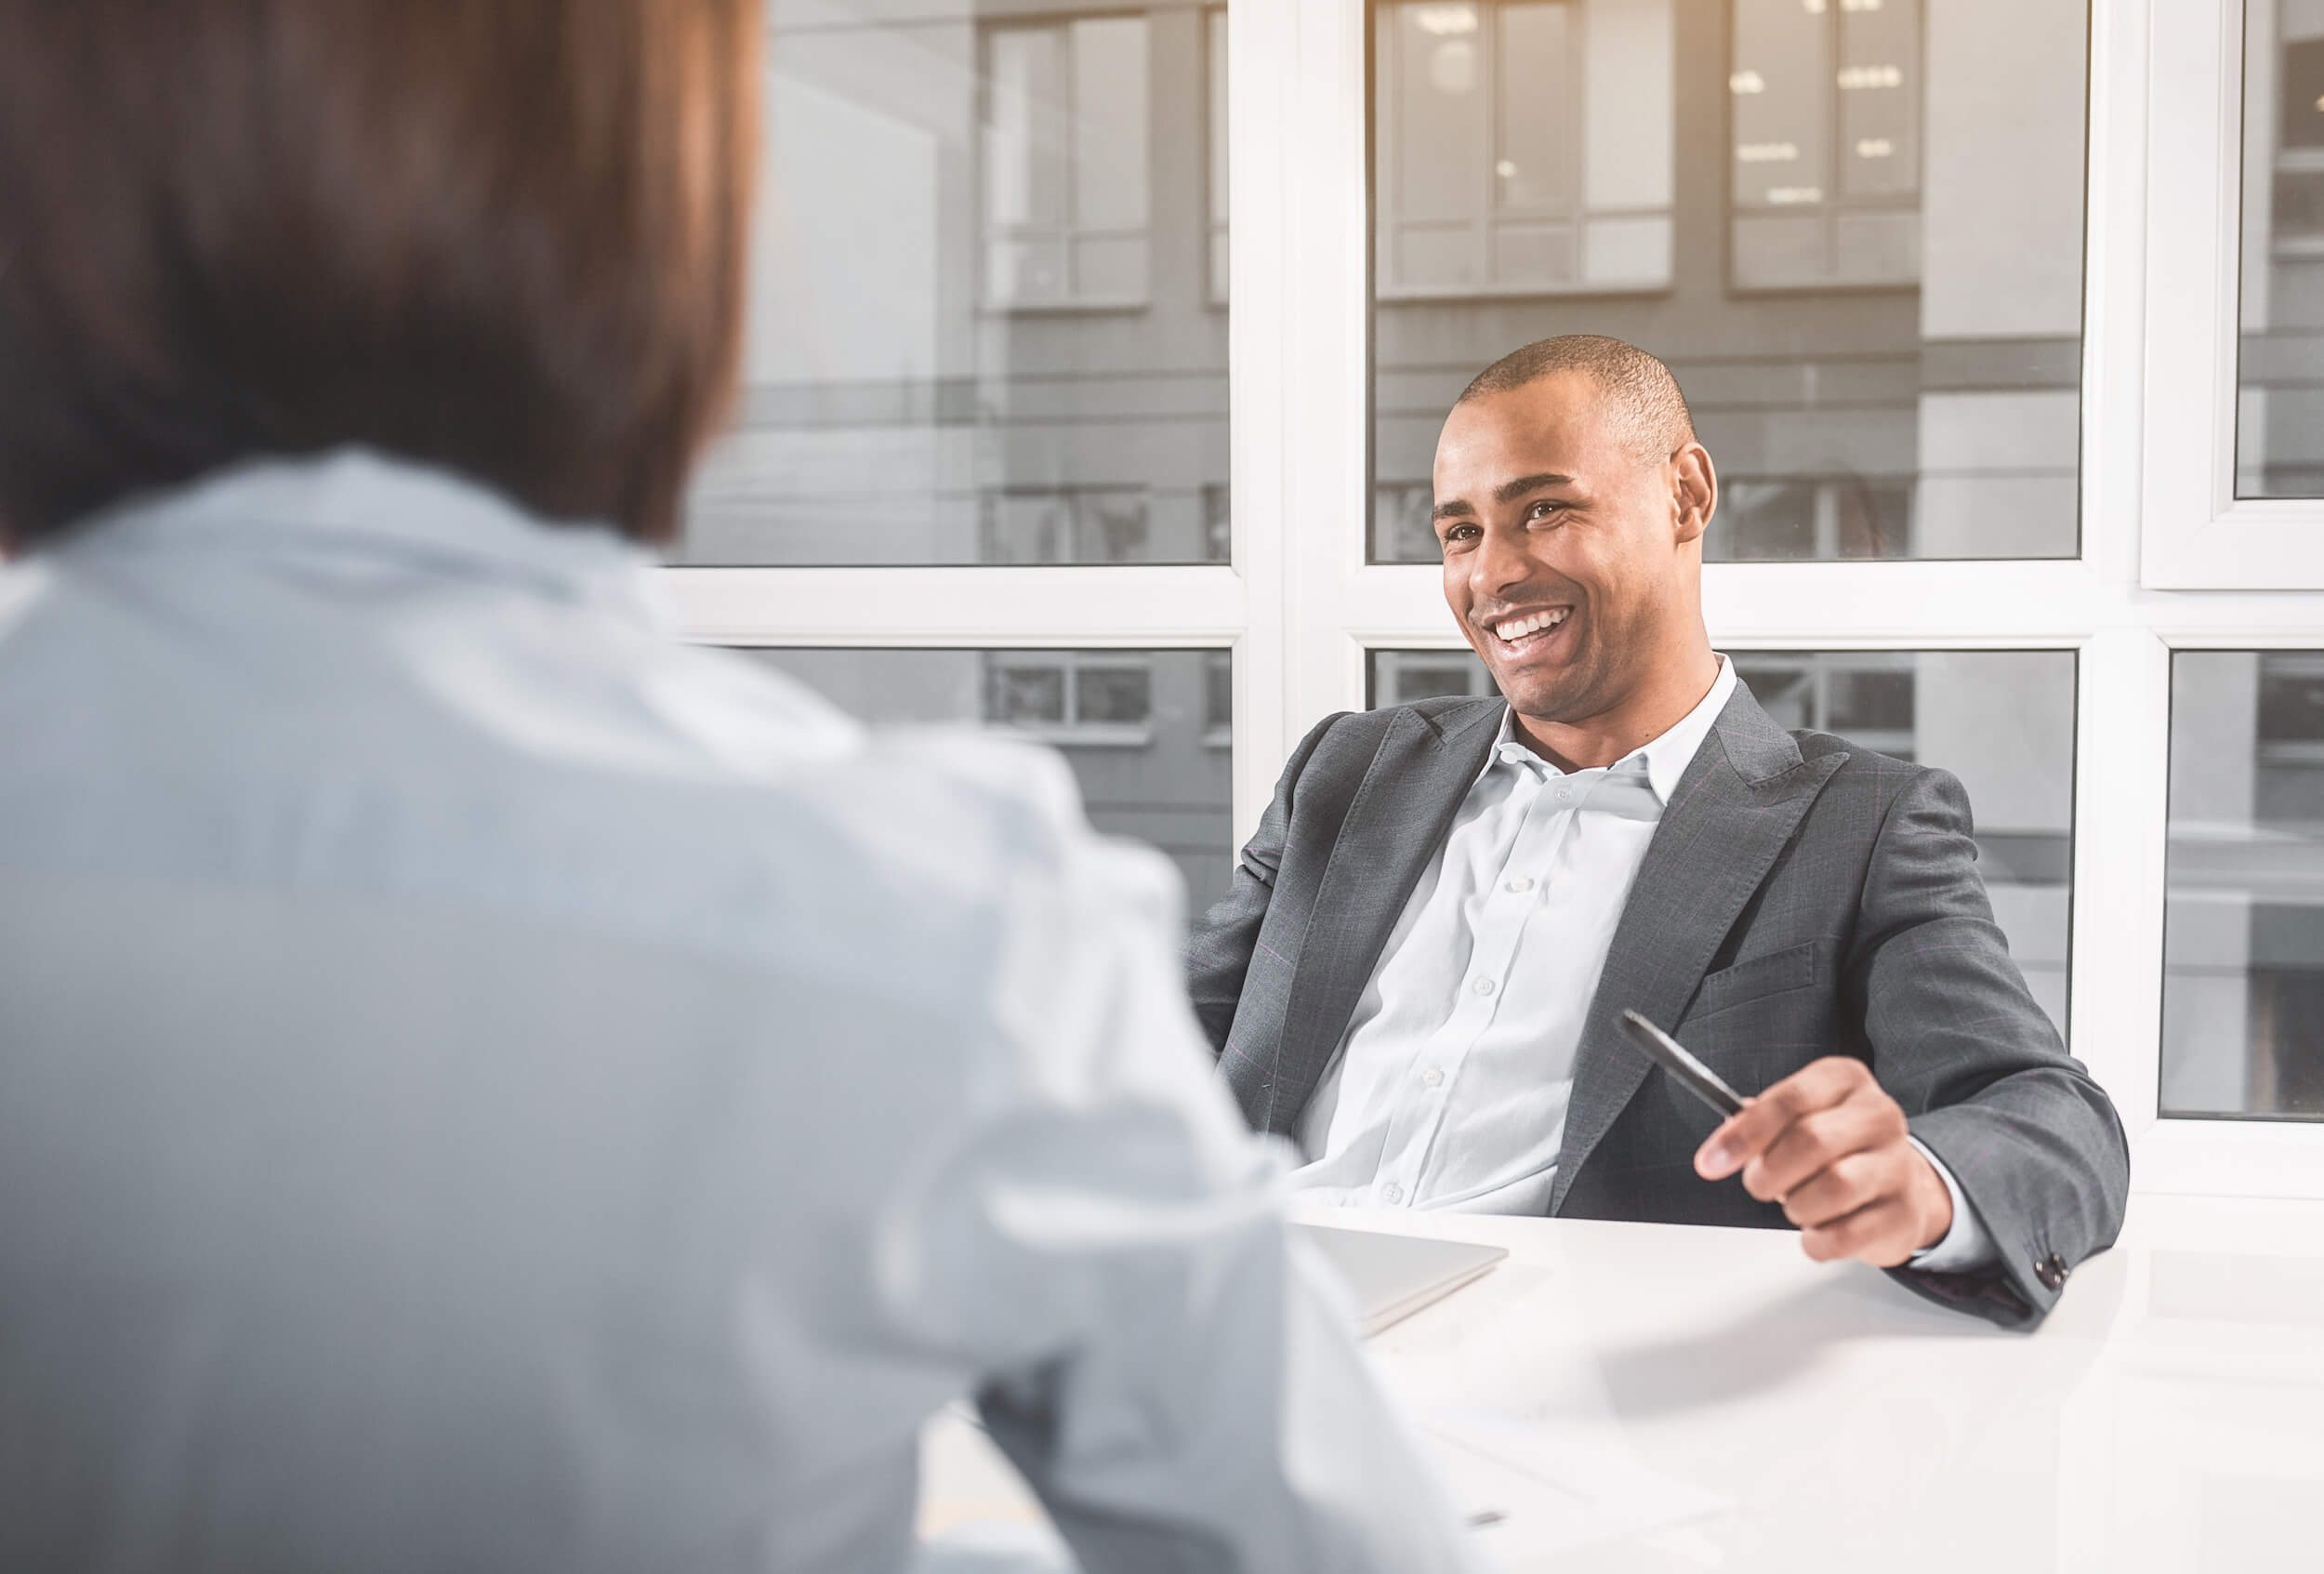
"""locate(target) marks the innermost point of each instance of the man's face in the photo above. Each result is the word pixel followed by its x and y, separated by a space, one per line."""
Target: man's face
pixel 1568 561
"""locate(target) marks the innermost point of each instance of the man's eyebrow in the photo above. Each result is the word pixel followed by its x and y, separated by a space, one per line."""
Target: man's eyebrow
pixel 1509 490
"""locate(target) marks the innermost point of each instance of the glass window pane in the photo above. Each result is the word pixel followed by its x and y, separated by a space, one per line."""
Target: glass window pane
pixel 1219 695
pixel 1879 109
pixel 1539 133
pixel 1019 696
pixel 2279 417
pixel 1120 695
pixel 987 293
pixel 1781 84
pixel 1214 23
pixel 1024 152
pixel 1144 731
pixel 1109 122
pixel 1436 149
pixel 1629 89
pixel 1852 227
pixel 2001 721
pixel 2243 940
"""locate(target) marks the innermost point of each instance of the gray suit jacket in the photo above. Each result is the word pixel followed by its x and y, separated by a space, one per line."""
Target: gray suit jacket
pixel 1800 898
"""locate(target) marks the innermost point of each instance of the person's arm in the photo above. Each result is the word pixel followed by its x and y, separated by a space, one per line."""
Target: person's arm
pixel 2034 1143
pixel 1969 1093
pixel 1103 1241
pixel 1219 949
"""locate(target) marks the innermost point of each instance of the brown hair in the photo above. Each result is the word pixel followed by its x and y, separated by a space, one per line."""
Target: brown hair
pixel 505 237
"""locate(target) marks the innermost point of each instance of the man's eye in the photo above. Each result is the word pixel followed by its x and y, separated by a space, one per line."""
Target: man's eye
pixel 1459 533
pixel 1541 509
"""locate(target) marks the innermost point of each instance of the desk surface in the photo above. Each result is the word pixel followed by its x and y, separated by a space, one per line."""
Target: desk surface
pixel 2170 1415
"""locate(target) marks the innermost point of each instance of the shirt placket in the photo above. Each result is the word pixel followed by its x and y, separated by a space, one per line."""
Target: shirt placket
pixel 1518 887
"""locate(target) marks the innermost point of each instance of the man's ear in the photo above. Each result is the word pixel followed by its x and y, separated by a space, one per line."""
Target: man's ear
pixel 1694 491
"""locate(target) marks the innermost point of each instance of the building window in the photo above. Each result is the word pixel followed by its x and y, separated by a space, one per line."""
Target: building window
pixel 2291 724
pixel 2278 450
pixel 1218 525
pixel 949 190
pixel 1865 696
pixel 2298 176
pixel 1066 209
pixel 2243 947
pixel 1402 529
pixel 1874 298
pixel 1067 525
pixel 1218 699
pixel 1826 158
pixel 1408 677
pixel 1173 793
pixel 1811 518
pixel 1072 698
pixel 1524 147
pixel 1214 81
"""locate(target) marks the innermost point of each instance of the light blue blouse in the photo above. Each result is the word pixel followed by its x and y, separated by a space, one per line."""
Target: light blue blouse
pixel 483 1085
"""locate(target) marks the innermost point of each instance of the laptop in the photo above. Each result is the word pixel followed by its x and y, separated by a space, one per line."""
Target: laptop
pixel 1395 1275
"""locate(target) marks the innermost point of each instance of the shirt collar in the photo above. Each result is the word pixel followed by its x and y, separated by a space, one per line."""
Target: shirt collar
pixel 1665 760
pixel 355 502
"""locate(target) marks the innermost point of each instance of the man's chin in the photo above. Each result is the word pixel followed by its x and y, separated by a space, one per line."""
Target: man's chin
pixel 1561 697
pixel 1546 702
pixel 1551 687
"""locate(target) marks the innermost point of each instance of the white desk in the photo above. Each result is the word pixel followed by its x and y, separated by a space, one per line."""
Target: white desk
pixel 2169 1416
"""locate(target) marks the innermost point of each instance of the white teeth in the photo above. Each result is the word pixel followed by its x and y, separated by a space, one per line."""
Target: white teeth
pixel 1519 628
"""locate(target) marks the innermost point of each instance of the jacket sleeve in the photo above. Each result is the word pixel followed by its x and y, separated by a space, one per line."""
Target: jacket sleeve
pixel 1959 1040
pixel 1219 949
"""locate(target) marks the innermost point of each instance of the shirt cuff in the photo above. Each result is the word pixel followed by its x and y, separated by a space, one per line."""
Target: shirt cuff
pixel 1966 1247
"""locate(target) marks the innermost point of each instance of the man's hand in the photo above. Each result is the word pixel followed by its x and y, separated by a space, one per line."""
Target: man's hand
pixel 1829 1144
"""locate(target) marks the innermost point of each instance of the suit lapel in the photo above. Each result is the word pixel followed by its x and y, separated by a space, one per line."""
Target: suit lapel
pixel 1398 818
pixel 1730 814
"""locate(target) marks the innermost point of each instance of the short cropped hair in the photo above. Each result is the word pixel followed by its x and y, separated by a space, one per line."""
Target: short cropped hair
pixel 1649 409
pixel 504 237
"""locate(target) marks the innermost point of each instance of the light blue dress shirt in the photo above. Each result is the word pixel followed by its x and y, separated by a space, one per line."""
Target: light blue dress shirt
pixel 1450 1087
pixel 484 1086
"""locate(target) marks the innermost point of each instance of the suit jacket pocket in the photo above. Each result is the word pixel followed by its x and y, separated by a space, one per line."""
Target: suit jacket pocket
pixel 1794 967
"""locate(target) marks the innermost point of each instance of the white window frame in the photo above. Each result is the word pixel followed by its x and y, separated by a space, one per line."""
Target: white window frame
pixel 2197 534
pixel 1298 605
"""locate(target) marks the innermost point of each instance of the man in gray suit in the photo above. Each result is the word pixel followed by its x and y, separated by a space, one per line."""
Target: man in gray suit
pixel 1418 973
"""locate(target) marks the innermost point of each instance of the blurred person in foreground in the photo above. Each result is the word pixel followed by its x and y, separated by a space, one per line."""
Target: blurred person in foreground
pixel 482 1085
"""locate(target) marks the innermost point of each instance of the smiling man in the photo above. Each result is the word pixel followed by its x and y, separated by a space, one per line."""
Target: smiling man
pixel 1447 906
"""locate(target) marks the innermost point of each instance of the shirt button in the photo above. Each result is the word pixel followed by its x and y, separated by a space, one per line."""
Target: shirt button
pixel 1434 1076
pixel 1520 883
pixel 1391 1192
pixel 1483 987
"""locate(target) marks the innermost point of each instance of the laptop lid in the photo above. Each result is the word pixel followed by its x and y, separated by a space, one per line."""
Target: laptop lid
pixel 1395 1275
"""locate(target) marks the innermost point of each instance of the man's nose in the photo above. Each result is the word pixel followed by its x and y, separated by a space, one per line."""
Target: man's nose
pixel 1502 561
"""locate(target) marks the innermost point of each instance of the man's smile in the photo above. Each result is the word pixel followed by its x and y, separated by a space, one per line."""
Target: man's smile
pixel 1526 633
